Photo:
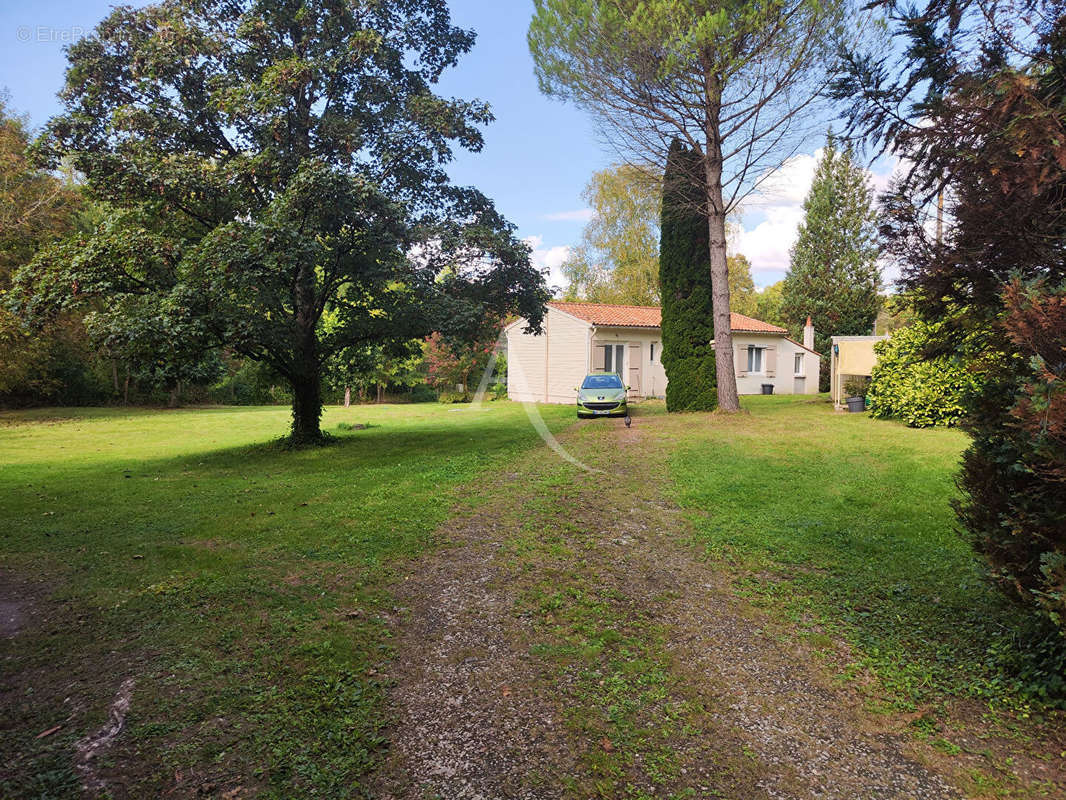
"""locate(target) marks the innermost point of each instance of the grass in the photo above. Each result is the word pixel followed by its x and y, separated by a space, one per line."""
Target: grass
pixel 245 587
pixel 605 655
pixel 844 524
pixel 241 585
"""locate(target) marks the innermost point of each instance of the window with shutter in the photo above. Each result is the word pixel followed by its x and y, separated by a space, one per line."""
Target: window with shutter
pixel 740 359
pixel 756 358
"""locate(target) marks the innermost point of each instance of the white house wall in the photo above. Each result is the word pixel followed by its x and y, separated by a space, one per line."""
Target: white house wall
pixel 526 358
pixel 783 375
pixel 568 343
pixel 546 368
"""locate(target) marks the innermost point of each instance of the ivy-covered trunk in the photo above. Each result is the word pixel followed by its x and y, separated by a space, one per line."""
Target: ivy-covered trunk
pixel 307 408
pixel 307 372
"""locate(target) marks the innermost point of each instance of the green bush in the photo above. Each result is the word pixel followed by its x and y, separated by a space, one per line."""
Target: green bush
pixel 454 397
pixel 423 393
pixel 251 383
pixel 857 386
pixel 919 390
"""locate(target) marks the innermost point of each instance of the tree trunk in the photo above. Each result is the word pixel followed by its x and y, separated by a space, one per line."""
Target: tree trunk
pixel 347 396
pixel 306 409
pixel 306 376
pixel 381 393
pixel 728 399
pixel 172 400
pixel 126 389
pixel 114 376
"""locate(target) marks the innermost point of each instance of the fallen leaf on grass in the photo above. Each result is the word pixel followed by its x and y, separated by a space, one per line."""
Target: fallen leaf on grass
pixel 607 746
pixel 48 732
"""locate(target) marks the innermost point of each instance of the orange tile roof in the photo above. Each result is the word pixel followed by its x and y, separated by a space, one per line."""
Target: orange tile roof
pixel 648 317
pixel 739 322
pixel 619 316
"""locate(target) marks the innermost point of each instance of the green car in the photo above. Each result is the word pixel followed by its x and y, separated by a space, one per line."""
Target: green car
pixel 602 395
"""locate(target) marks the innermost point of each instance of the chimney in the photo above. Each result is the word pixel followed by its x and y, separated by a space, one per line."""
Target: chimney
pixel 808 334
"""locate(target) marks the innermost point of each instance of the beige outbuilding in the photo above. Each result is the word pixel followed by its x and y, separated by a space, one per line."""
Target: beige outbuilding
pixel 851 357
pixel 579 338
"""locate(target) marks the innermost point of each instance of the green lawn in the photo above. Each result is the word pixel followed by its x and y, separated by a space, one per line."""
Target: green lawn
pixel 845 523
pixel 245 587
pixel 242 585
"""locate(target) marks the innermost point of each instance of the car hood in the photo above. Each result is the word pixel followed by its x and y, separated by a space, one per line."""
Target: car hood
pixel 605 395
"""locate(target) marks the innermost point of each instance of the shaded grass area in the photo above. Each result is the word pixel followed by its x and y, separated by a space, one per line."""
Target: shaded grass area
pixel 844 523
pixel 242 586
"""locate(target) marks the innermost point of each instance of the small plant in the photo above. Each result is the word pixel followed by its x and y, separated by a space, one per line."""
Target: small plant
pixel 856 386
pixel 454 397
pixel 348 426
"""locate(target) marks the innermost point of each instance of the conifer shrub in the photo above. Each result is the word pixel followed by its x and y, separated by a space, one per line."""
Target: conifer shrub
pixel 685 288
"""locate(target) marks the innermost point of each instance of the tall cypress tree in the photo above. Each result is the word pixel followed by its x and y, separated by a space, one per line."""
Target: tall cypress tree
pixel 685 287
pixel 834 277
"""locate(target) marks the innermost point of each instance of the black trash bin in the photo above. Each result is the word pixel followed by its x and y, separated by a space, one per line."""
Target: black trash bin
pixel 856 404
pixel 767 388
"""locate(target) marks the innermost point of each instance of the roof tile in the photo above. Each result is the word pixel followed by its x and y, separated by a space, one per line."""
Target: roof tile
pixel 648 317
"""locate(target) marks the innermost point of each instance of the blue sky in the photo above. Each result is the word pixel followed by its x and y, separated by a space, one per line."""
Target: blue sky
pixel 538 154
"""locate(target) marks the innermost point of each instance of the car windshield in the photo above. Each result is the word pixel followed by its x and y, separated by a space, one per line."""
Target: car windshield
pixel 602 382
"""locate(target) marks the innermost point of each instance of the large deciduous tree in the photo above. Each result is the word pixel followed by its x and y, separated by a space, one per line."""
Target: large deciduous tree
pixel 975 101
pixel 834 277
pixel 768 304
pixel 742 295
pixel 36 208
pixel 271 165
pixel 618 258
pixel 685 284
pixel 734 81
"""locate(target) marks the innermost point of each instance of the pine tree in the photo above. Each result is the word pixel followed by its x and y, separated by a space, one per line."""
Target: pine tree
pixel 834 277
pixel 685 286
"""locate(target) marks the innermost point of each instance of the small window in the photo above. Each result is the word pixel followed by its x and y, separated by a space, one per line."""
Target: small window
pixel 755 358
pixel 653 345
pixel 799 364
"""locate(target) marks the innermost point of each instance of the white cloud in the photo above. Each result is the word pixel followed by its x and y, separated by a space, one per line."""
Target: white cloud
pixel 580 215
pixel 788 185
pixel 549 259
pixel 779 204
pixel 768 243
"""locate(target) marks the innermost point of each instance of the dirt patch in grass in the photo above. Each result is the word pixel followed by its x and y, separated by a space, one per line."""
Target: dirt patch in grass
pixel 61 695
pixel 571 643
pixel 472 715
pixel 23 603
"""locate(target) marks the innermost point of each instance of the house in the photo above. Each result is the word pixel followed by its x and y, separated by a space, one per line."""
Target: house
pixel 579 338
